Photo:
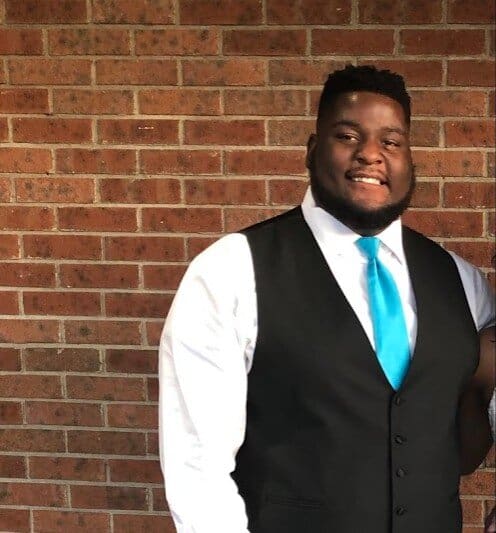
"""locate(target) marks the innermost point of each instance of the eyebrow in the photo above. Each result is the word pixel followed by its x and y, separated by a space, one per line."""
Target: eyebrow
pixel 352 124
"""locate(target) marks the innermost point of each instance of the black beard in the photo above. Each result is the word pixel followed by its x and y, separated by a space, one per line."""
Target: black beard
pixel 364 221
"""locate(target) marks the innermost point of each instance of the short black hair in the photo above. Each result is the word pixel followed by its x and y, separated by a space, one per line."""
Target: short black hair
pixel 364 78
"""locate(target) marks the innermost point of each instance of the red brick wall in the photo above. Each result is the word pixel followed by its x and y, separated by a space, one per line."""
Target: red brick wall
pixel 133 133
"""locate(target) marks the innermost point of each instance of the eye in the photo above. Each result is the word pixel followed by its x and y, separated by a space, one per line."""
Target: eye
pixel 347 137
pixel 391 143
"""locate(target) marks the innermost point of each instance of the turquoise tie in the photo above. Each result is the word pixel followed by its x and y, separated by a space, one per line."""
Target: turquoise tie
pixel 390 333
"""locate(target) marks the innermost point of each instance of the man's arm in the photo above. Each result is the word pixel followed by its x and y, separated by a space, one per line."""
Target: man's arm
pixel 203 381
pixel 475 426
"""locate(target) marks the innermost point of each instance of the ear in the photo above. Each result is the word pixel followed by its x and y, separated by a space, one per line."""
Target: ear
pixel 311 144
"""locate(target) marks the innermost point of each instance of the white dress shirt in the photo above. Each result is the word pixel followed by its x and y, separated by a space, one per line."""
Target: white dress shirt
pixel 206 352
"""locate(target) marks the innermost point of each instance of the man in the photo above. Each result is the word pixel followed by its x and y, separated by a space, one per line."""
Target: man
pixel 311 366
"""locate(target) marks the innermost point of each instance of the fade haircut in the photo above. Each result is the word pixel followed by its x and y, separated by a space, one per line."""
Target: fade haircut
pixel 364 78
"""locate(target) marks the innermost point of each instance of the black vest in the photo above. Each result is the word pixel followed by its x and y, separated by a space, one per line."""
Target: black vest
pixel 330 447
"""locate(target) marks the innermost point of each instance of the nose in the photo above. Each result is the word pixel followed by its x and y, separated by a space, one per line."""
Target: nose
pixel 369 152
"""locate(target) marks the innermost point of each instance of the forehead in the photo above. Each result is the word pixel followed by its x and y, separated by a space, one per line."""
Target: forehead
pixel 367 108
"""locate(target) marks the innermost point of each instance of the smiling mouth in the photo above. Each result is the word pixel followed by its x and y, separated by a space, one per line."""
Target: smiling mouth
pixel 362 177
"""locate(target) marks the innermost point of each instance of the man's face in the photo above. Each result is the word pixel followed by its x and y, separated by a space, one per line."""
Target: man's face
pixel 360 162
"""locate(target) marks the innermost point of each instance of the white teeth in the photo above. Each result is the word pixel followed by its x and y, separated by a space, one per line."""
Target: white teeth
pixel 373 181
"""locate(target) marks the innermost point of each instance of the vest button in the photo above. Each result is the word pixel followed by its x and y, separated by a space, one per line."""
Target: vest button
pixel 401 472
pixel 399 439
pixel 398 400
pixel 400 511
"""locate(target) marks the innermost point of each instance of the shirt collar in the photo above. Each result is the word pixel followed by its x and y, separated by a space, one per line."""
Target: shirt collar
pixel 339 238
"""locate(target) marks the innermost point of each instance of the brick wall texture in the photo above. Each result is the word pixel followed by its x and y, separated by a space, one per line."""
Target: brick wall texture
pixel 135 132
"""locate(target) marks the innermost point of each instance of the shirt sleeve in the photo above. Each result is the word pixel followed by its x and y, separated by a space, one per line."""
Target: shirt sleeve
pixel 203 384
pixel 480 296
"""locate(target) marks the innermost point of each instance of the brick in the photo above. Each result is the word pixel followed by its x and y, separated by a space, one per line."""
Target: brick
pixel 105 388
pixel 400 12
pixel 222 132
pixel 196 219
pixel 63 414
pixel 4 129
pixel 54 190
pixel 98 497
pixel 491 224
pixel 131 361
pixel 225 192
pixel 102 332
pixel 446 102
pixel 51 130
pixel 490 165
pixel 15 520
pixel 61 359
pixel 28 331
pixel 143 524
pixel 41 71
pixel 308 11
pixel 153 333
pixel 290 132
pixel 136 72
pixel 177 42
pixel 63 246
pixel 224 72
pixel 159 501
pixel 9 247
pixel 140 191
pixel 98 161
pixel 478 11
pixel 61 303
pixel 301 71
pixel 10 303
pixel 445 223
pixel 442 42
pixel 479 253
pixel 206 12
pixel 138 131
pixel 135 471
pixel 426 194
pixel 31 440
pixel 35 160
pixel 265 42
pixel 424 133
pixel 10 414
pixel 5 189
pixel 144 248
pixel 35 494
pixel 492 103
pixel 26 218
pixel 472 511
pixel 106 442
pixel 163 277
pixel 264 102
pixel 471 72
pixel 352 41
pixel 15 41
pixel 238 218
pixel 27 275
pixel 286 192
pixel 417 72
pixel 137 305
pixel 76 468
pixel 63 521
pixel 92 102
pixel 99 276
pixel 474 195
pixel 480 483
pixel 97 218
pixel 131 12
pixel 181 101
pixel 30 386
pixel 444 163
pixel 133 416
pixel 45 11
pixel 23 100
pixel 14 467
pixel 88 41
pixel 470 133
pixel 280 162
pixel 152 389
pixel 10 360
pixel 180 162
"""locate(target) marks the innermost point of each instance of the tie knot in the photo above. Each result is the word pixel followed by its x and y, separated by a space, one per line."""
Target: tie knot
pixel 369 246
